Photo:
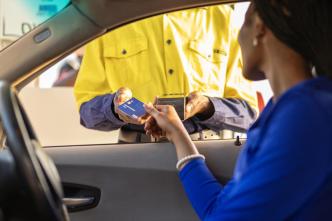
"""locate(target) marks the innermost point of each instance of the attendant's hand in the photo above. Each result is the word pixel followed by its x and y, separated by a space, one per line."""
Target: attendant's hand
pixel 198 104
pixel 122 95
pixel 164 121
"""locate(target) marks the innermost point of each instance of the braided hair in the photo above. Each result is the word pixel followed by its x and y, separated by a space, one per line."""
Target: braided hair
pixel 303 25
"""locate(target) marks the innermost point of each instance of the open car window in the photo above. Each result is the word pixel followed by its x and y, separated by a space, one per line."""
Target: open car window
pixel 52 108
pixel 19 17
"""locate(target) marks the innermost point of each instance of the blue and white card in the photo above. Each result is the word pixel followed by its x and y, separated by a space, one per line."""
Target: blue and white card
pixel 133 108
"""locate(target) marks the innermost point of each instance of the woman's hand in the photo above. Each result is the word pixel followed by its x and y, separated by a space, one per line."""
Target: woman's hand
pixel 163 121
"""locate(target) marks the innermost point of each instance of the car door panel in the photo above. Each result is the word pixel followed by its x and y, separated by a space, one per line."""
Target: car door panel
pixel 137 181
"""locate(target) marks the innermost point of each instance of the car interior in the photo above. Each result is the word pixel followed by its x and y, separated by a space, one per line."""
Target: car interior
pixel 84 178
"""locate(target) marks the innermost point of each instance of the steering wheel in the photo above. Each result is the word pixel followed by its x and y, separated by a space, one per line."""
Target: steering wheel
pixel 35 171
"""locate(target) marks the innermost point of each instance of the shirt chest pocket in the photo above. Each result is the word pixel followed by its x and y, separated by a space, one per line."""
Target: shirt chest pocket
pixel 126 63
pixel 208 66
pixel 211 53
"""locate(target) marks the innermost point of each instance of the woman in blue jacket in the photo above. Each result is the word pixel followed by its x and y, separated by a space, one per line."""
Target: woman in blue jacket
pixel 284 172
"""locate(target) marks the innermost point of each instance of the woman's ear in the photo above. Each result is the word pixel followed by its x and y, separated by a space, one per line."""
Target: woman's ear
pixel 259 28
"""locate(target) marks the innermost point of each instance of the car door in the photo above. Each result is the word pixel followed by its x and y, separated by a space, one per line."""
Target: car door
pixel 136 181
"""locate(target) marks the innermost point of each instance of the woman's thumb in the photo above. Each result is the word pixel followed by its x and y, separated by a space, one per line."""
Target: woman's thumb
pixel 151 110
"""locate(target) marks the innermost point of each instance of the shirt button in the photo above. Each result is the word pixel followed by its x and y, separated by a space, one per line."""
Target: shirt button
pixel 170 71
pixel 169 41
pixel 124 51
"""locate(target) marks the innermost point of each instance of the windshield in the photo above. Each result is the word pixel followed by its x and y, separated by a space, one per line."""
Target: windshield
pixel 18 17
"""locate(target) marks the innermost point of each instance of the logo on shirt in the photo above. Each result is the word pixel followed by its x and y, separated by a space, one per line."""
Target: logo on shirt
pixel 219 51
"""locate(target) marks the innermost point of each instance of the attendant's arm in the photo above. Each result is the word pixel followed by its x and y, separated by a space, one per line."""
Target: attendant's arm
pixel 99 114
pixel 228 113
pixel 218 113
pixel 278 179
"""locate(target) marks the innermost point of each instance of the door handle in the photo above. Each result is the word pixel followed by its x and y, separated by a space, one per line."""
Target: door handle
pixel 80 197
pixel 78 202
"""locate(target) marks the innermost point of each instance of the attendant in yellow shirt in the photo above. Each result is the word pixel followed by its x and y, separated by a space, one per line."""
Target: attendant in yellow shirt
pixel 190 53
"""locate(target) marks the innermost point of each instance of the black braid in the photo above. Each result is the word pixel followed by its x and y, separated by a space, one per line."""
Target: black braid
pixel 303 25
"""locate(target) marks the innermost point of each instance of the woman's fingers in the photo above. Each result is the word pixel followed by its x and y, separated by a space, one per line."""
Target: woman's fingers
pixel 148 124
pixel 163 120
pixel 151 110
pixel 157 109
pixel 152 127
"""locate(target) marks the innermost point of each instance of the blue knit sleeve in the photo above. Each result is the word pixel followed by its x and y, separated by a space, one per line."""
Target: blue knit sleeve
pixel 231 114
pixel 98 114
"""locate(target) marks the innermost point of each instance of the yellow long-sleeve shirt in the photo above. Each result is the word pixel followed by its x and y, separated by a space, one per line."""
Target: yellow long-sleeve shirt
pixel 167 55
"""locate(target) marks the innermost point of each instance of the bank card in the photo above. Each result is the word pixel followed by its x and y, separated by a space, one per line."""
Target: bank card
pixel 133 108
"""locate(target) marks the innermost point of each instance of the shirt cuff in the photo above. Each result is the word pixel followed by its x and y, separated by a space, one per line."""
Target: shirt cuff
pixel 110 114
pixel 232 114
pixel 217 105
